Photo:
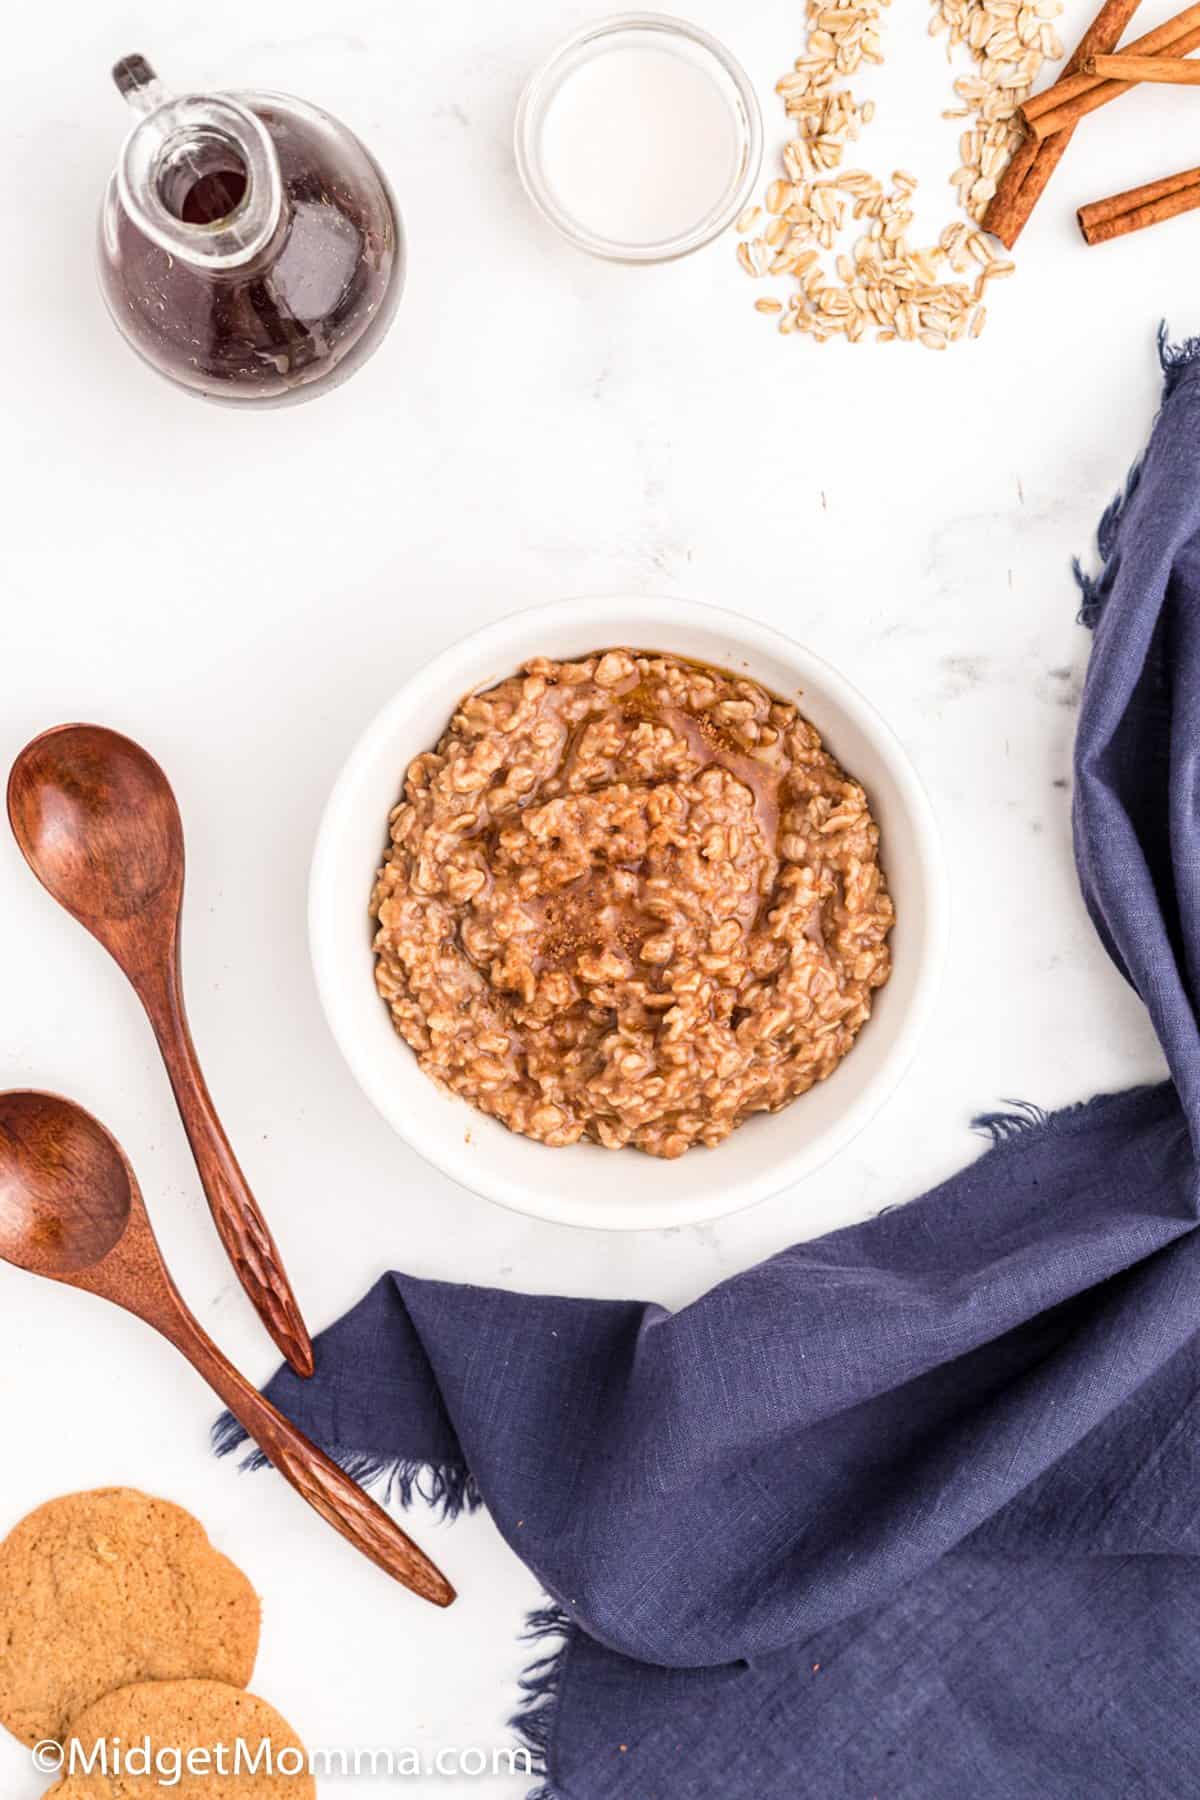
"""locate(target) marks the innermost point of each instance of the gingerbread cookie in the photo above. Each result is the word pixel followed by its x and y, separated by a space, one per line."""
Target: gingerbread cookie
pixel 241 1741
pixel 104 1589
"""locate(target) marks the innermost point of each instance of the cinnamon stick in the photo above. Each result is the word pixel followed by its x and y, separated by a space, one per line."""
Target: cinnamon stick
pixel 1030 168
pixel 1061 107
pixel 1151 43
pixel 1138 207
pixel 1176 71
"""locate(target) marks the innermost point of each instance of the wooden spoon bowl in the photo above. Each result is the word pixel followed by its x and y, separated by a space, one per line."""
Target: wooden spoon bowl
pixel 74 795
pixel 65 1202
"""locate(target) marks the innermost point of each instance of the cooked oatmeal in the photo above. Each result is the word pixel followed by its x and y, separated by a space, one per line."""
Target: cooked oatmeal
pixel 630 899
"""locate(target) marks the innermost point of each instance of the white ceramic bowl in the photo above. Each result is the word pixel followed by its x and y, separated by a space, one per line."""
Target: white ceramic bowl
pixel 587 1185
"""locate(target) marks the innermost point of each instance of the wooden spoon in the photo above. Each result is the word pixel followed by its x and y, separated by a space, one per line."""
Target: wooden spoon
pixel 71 1209
pixel 97 823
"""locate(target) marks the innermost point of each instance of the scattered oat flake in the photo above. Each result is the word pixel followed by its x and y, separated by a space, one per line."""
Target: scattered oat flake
pixel 877 279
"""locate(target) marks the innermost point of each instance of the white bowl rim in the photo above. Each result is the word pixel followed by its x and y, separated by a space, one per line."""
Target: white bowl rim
pixel 447 1152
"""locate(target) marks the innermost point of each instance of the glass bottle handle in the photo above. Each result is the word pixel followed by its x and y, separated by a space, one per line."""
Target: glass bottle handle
pixel 137 83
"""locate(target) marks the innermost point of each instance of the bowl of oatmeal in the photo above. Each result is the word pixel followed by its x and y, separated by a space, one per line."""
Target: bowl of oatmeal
pixel 627 913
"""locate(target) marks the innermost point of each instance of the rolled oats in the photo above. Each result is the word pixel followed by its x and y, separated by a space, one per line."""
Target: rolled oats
pixel 1008 41
pixel 630 899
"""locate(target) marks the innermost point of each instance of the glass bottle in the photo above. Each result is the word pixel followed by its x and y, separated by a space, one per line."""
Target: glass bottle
pixel 250 248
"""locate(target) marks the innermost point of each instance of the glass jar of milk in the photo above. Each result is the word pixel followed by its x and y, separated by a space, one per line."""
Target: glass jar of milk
pixel 640 138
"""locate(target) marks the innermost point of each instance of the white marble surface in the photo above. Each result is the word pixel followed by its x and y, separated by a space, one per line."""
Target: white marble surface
pixel 241 593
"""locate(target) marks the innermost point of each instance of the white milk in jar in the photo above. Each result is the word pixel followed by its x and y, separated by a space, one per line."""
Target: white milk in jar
pixel 639 139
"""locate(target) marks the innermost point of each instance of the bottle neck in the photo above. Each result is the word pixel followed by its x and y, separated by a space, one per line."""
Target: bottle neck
pixel 198 174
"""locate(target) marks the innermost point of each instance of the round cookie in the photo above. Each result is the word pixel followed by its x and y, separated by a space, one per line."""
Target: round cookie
pixel 104 1589
pixel 178 1716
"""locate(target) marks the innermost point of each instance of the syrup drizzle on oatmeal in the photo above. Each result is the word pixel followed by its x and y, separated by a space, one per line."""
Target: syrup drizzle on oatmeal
pixel 590 913
pixel 712 747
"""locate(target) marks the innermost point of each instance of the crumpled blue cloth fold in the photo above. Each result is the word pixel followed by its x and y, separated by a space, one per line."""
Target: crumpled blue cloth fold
pixel 912 1511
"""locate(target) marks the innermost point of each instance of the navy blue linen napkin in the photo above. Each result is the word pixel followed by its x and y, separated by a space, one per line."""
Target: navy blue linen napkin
pixel 912 1511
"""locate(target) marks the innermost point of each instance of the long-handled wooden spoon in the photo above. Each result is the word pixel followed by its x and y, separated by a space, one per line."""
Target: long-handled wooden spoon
pixel 71 1209
pixel 97 823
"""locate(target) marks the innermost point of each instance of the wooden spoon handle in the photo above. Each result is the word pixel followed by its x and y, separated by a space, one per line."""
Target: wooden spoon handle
pixel 242 1228
pixel 315 1477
